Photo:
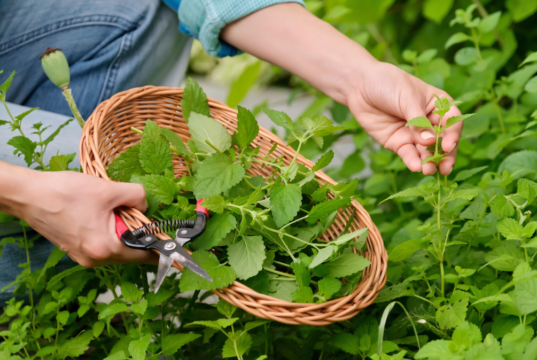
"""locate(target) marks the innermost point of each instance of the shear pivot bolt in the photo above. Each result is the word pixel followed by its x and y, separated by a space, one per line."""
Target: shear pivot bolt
pixel 183 232
pixel 169 246
pixel 148 238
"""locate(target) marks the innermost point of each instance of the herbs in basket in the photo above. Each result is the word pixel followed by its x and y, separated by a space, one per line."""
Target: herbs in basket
pixel 263 230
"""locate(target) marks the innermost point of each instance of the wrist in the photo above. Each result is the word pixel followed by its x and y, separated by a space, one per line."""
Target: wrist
pixel 16 188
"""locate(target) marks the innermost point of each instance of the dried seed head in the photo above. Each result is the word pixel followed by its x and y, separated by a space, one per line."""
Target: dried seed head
pixel 56 67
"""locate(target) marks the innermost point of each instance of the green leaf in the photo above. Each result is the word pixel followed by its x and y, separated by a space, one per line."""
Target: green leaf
pixel 389 293
pixel 521 9
pixel 218 226
pixel 452 315
pixel 176 141
pixel 120 355
pixel 531 85
pixel 361 234
pixel 466 174
pixel 320 126
pixel 5 85
pixel 466 56
pixel 326 208
pixel 455 119
pixel 194 100
pixel 138 348
pixel 203 128
pixel 279 117
pixel 60 162
pixel 112 309
pixel 212 324
pixel 302 295
pixel 76 347
pixel 324 161
pixel 247 127
pixel 427 56
pixel 173 342
pixel 246 256
pixel 282 289
pixel 405 250
pixel 527 189
pixel 139 308
pixel 505 258
pixel 51 137
pixel 415 191
pixel 53 259
pixel 240 87
pixel 62 317
pixel 52 282
pixel 97 328
pixel 466 194
pixel 456 39
pixel 510 228
pixel 155 154
pixel 215 204
pixel 160 187
pixel 501 206
pixel 525 295
pixel 243 341
pixel 23 146
pixel 420 121
pixel 490 22
pixel 529 59
pixel 436 349
pixel 285 201
pixel 324 254
pixel 216 174
pixel 347 264
pixel 302 275
pixel 328 287
pixel 436 10
pixel 125 165
pixel 346 342
pixel 222 275
pixel 160 297
pixel 259 283
pixel 520 164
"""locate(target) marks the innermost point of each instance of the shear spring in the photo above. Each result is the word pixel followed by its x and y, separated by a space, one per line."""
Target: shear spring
pixel 163 226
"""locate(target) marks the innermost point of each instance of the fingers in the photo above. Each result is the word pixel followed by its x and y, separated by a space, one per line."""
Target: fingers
pixel 421 136
pixel 429 168
pixel 410 156
pixel 446 166
pixel 124 194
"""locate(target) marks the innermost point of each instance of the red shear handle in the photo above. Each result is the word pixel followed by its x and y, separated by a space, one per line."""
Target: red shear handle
pixel 121 227
pixel 201 208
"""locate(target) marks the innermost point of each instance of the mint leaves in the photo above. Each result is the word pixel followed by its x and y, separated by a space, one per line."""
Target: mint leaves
pixel 208 135
pixel 217 174
pixel 285 201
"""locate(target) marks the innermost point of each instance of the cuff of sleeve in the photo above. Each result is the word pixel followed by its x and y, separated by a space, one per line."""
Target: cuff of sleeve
pixel 204 20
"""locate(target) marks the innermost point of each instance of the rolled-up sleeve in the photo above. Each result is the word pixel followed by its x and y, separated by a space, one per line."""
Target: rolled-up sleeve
pixel 204 19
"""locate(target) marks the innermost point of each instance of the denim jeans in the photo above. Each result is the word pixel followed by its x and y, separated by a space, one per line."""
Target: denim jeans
pixel 111 46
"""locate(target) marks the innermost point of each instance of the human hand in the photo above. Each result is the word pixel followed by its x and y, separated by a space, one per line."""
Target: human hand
pixel 385 98
pixel 75 212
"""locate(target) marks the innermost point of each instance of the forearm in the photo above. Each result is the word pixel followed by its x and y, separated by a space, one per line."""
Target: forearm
pixel 289 36
pixel 14 186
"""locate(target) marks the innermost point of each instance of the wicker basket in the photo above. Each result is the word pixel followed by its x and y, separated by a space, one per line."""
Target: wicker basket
pixel 107 133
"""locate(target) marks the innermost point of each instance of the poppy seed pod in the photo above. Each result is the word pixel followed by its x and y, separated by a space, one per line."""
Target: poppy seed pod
pixel 56 67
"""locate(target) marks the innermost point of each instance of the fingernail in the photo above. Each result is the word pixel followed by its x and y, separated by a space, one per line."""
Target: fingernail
pixel 426 135
pixel 453 147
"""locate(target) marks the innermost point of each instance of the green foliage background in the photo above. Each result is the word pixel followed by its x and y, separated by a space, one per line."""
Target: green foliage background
pixel 461 248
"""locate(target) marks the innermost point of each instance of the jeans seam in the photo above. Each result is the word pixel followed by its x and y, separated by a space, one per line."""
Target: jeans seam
pixel 93 20
pixel 111 74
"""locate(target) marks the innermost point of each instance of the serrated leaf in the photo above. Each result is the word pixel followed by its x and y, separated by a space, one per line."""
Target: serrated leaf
pixel 346 342
pixel 77 346
pixel 285 201
pixel 125 165
pixel 259 283
pixel 53 259
pixel 173 342
pixel 302 275
pixel 405 250
pixel 466 194
pixel 120 355
pixel 501 206
pixel 328 287
pixel 56 278
pixel 218 226
pixel 347 264
pixel 326 208
pixel 323 255
pixel 139 308
pixel 62 317
pixel 527 189
pixel 415 191
pixel 60 162
pixel 420 121
pixel 505 258
pixel 436 349
pixel 222 275
pixel 52 136
pixel 25 147
pixel 246 256
pixel 324 161
pixel 215 204
pixel 238 347
pixel 160 297
pixel 452 315
pixel 247 127
pixel 225 308
pixel 279 117
pixel 282 289
pixel 194 100
pixel 138 348
pixel 216 174
pixel 320 126
pixel 302 295
pixel 113 309
pixel 520 164
pixel 160 187
pixel 155 154
pixel 203 128
pixel 389 293
pixel 455 119
pixel 466 174
pixel 510 229
pixel 345 238
pixel 176 141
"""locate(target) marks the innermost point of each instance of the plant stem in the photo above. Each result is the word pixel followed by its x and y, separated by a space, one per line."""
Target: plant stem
pixel 279 272
pixel 440 244
pixel 211 145
pixel 12 118
pixel 74 109
pixel 498 112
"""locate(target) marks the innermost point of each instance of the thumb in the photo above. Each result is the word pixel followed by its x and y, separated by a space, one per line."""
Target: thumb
pixel 421 136
pixel 125 194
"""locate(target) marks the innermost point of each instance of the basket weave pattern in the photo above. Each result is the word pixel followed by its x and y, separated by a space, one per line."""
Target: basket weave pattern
pixel 107 133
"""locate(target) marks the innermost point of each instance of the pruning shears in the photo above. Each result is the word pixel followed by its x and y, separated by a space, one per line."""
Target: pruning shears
pixel 144 238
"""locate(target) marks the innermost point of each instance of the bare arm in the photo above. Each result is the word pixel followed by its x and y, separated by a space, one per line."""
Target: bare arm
pixel 381 96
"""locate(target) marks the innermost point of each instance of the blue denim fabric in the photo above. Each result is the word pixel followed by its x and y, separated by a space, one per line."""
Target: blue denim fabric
pixel 111 45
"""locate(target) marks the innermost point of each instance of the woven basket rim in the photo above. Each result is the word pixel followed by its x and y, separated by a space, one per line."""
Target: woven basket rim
pixel 91 159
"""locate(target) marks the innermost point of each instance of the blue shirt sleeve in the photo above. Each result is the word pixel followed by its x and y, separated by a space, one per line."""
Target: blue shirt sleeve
pixel 204 19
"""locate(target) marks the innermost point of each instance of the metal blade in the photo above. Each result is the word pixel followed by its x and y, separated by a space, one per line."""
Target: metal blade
pixel 181 256
pixel 164 264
